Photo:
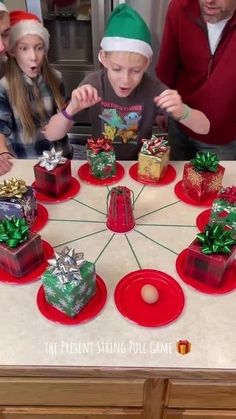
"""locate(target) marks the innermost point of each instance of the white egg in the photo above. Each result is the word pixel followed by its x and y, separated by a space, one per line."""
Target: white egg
pixel 149 294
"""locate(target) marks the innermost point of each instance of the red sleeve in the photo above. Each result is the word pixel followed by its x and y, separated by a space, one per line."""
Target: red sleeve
pixel 168 61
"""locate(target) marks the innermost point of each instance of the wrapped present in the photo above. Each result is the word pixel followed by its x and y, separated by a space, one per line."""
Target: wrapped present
pixel 210 255
pixel 17 200
pixel 223 210
pixel 53 173
pixel 183 347
pixel 153 159
pixel 70 282
pixel 20 251
pixel 101 157
pixel 202 177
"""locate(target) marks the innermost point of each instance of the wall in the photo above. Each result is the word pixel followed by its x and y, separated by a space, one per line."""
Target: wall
pixel 15 4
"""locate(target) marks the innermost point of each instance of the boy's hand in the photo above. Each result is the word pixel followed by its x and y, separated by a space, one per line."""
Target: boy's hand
pixel 81 98
pixel 171 101
pixel 5 163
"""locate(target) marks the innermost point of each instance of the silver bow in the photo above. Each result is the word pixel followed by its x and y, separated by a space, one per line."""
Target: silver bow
pixel 51 159
pixel 67 264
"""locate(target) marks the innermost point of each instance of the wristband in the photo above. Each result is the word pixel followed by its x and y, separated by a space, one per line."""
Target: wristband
pixel 7 152
pixel 67 116
pixel 185 113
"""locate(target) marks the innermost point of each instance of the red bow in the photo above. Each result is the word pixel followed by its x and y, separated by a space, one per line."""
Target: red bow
pixel 99 144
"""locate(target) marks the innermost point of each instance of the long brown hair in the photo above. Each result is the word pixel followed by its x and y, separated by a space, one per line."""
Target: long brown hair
pixel 20 101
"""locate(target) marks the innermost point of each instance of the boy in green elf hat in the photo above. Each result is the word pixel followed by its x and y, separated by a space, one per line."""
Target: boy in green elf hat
pixel 123 100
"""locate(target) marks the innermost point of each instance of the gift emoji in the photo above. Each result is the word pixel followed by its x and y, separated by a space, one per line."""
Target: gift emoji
pixel 53 173
pixel 210 255
pixel 202 177
pixel 17 200
pixel 70 282
pixel 223 210
pixel 20 251
pixel 101 157
pixel 183 347
pixel 153 159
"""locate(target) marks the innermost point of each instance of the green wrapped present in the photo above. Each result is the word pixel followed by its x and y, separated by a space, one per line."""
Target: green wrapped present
pixel 70 282
pixel 101 158
pixel 223 210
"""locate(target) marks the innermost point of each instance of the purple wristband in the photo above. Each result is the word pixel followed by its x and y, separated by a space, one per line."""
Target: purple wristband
pixel 67 116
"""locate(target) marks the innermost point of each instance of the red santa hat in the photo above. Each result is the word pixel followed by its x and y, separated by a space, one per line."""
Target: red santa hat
pixel 24 23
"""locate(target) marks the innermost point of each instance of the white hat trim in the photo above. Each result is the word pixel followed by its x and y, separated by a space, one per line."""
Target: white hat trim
pixel 116 43
pixel 28 27
pixel 3 7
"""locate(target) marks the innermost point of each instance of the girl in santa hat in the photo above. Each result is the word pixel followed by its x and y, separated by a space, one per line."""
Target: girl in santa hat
pixel 30 93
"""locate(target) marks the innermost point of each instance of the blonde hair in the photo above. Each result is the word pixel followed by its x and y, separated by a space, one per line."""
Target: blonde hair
pixel 20 101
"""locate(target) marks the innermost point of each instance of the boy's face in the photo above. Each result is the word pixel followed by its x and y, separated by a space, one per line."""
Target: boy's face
pixel 125 70
pixel 4 32
pixel 29 53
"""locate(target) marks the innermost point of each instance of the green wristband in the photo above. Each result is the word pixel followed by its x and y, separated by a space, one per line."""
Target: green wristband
pixel 185 113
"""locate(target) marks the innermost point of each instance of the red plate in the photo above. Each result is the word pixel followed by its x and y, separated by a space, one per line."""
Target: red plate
pixel 185 198
pixel 203 219
pixel 87 177
pixel 33 275
pixel 228 285
pixel 91 310
pixel 70 193
pixel 131 305
pixel 41 220
pixel 168 177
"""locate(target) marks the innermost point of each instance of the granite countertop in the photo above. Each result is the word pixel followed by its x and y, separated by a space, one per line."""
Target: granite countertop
pixel 164 227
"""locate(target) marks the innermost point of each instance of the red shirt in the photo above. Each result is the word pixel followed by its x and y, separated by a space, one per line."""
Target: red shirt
pixel 206 82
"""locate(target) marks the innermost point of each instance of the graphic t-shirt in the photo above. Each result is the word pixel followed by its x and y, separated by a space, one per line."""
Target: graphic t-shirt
pixel 126 121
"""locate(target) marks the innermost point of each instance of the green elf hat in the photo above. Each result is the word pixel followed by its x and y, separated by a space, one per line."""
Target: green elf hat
pixel 3 7
pixel 127 31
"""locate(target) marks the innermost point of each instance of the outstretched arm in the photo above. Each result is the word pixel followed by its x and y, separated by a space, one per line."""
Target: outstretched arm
pixel 171 102
pixel 83 97
pixel 5 156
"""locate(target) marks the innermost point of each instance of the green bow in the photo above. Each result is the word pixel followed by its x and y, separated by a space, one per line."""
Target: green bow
pixel 13 231
pixel 216 240
pixel 205 162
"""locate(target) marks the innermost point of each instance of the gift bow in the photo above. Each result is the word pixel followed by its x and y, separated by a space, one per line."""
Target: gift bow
pixel 66 265
pixel 154 146
pixel 216 240
pixel 13 187
pixel 13 231
pixel 205 162
pixel 228 194
pixel 51 159
pixel 99 144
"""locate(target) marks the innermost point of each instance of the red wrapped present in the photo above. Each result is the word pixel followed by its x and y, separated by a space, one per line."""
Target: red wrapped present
pixel 52 173
pixel 202 177
pixel 183 347
pixel 20 252
pixel 210 255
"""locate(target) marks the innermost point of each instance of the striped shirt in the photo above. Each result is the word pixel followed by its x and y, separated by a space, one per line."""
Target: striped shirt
pixel 11 126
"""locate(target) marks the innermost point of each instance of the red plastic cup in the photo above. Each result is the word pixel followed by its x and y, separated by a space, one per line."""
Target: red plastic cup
pixel 120 204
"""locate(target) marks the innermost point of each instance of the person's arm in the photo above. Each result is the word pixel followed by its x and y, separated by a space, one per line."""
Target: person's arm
pixel 5 156
pixel 171 102
pixel 83 97
pixel 168 62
